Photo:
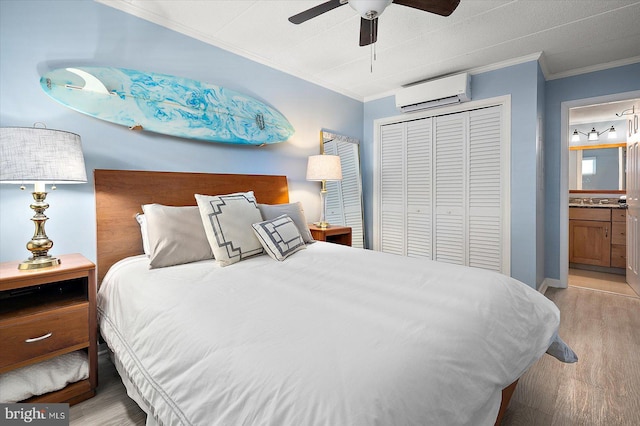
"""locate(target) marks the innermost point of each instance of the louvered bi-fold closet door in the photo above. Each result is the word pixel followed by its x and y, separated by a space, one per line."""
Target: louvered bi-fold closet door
pixel 484 190
pixel 450 176
pixel 392 201
pixel 443 188
pixel 418 188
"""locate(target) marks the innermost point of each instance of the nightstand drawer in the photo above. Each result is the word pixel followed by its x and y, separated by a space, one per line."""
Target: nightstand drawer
pixel 42 334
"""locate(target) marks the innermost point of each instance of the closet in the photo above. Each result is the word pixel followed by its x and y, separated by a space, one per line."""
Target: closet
pixel 442 188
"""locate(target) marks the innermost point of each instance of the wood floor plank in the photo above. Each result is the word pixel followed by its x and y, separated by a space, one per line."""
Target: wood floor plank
pixel 521 415
pixel 603 387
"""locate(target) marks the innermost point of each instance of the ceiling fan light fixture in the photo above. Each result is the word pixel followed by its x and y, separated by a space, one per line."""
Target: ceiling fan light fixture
pixel 612 133
pixel 593 135
pixel 369 9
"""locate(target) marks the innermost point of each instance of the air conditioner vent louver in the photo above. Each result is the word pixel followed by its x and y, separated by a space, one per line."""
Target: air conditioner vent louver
pixel 444 91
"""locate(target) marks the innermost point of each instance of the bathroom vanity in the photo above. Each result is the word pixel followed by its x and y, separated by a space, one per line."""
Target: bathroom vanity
pixel 597 236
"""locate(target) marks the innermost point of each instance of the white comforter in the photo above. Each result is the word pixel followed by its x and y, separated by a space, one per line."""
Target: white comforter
pixel 331 336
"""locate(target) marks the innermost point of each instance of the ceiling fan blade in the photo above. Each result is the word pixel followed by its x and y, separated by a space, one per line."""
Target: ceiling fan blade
pixel 315 11
pixel 368 31
pixel 439 7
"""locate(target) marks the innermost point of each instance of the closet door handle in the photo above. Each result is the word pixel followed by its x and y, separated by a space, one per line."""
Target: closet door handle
pixel 37 339
pixel 606 231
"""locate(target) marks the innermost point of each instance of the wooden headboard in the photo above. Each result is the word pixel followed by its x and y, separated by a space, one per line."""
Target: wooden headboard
pixel 121 193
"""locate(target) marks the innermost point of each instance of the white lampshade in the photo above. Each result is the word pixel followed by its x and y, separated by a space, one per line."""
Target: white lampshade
pixel 324 167
pixel 612 133
pixel 36 155
pixel 593 135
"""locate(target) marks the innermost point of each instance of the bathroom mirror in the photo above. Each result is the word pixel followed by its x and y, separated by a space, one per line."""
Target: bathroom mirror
pixel 344 198
pixel 599 168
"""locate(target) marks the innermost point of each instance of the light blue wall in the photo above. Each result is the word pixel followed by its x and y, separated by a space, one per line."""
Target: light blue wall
pixel 522 83
pixel 600 83
pixel 36 36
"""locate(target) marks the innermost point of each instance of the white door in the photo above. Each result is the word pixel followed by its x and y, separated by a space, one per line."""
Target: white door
pixel 418 188
pixel 442 189
pixel 450 177
pixel 633 202
pixel 392 198
pixel 485 187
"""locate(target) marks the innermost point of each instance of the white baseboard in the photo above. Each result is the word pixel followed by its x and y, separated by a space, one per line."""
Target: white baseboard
pixel 549 282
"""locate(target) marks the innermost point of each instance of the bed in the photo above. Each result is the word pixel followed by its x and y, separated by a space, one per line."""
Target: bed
pixel 331 335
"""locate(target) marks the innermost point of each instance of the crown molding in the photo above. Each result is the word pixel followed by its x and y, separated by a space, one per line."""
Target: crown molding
pixel 594 68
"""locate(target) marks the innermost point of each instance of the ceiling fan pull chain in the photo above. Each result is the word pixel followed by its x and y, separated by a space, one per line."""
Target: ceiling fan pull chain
pixel 371 58
pixel 372 44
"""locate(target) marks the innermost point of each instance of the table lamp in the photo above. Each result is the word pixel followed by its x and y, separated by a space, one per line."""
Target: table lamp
pixel 40 156
pixel 323 168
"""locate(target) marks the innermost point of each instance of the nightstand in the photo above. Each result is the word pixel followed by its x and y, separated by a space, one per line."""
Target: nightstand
pixel 49 312
pixel 332 234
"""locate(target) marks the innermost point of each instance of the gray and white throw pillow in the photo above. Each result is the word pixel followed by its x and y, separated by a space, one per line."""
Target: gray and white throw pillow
pixel 227 221
pixel 175 235
pixel 294 211
pixel 279 237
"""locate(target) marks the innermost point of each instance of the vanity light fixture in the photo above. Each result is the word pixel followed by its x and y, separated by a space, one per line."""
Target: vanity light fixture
pixel 594 135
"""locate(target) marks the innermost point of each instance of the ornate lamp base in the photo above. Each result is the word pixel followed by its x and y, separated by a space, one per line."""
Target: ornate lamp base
pixel 39 262
pixel 323 224
pixel 40 244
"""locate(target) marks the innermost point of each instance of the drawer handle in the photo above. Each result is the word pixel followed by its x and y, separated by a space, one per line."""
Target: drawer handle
pixel 37 339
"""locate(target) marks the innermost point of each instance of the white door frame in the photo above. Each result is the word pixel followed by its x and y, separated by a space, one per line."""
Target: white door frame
pixel 564 171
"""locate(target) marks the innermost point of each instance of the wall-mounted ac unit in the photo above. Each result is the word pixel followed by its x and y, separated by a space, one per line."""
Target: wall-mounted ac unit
pixel 444 91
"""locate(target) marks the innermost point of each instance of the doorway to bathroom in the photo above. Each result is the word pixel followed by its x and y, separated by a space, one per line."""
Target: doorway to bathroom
pixel 593 169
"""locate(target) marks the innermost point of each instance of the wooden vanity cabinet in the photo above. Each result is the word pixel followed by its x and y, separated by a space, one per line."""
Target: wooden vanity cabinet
pixel 590 236
pixel 597 236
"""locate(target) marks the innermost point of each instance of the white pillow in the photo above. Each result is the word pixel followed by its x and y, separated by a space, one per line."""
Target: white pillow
pixel 227 221
pixel 143 233
pixel 176 235
pixel 279 237
pixel 294 211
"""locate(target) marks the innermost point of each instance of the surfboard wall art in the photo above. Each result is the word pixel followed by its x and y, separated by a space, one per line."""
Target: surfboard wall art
pixel 166 104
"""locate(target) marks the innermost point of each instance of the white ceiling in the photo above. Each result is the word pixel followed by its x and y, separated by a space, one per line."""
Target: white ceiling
pixel 604 113
pixel 569 36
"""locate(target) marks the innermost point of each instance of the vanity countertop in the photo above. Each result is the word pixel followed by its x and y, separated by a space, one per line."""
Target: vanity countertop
pixel 600 206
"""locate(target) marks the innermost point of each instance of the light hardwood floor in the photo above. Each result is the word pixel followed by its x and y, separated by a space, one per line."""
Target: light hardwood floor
pixel 601 389
pixel 611 283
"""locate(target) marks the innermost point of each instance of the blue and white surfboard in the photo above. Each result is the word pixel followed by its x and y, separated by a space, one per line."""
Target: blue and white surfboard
pixel 167 104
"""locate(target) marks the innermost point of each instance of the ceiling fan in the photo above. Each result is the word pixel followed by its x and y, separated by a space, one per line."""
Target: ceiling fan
pixel 370 10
